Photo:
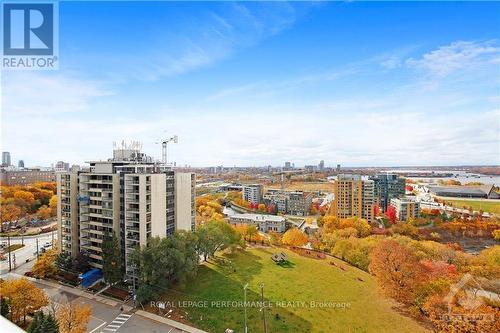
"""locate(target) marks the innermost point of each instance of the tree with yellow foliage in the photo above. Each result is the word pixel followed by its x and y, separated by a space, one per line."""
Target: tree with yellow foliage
pixel 261 207
pixel 242 229
pixel 294 237
pixel 53 204
pixel 44 212
pixel 24 196
pixel 73 317
pixel 23 296
pixel 45 265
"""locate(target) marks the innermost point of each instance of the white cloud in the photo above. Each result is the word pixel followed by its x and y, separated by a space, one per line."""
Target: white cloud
pixel 391 62
pixel 30 93
pixel 213 38
pixel 456 56
pixel 52 116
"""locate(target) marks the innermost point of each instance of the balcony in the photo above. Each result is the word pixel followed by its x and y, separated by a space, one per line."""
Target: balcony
pixel 132 237
pixel 132 228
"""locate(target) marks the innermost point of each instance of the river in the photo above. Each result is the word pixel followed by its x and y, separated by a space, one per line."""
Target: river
pixel 462 176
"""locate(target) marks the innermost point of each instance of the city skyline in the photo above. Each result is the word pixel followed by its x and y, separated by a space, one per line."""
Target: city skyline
pixel 252 84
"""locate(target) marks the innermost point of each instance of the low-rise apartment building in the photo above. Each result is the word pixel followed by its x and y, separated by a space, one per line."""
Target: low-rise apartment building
pixel 406 208
pixel 289 202
pixel 264 223
pixel 26 176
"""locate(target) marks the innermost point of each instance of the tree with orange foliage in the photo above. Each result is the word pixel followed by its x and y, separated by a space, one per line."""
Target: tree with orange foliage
pixel 25 196
pixel 261 207
pixel 294 237
pixel 73 317
pixel 450 316
pixel 397 270
pixel 9 213
pixel 23 296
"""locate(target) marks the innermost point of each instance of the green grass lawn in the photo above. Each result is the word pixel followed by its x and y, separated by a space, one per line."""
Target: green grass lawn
pixel 303 280
pixel 486 206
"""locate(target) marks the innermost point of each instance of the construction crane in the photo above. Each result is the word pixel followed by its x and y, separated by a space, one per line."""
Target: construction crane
pixel 164 143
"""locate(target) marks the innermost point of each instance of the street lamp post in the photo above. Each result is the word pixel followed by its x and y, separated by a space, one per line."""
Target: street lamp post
pixel 245 305
pixel 263 306
pixel 9 249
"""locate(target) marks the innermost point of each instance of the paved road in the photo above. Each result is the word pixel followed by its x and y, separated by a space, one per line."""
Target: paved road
pixel 105 318
pixel 19 257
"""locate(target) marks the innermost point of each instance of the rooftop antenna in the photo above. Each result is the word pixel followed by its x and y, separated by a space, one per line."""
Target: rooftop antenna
pixel 164 143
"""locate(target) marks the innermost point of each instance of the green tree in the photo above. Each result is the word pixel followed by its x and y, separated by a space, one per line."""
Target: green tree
pixel 43 324
pixel 81 263
pixel 164 261
pixel 214 236
pixel 50 325
pixel 112 268
pixel 4 307
pixel 63 261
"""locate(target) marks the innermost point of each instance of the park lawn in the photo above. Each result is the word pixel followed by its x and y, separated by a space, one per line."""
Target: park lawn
pixel 304 280
pixel 486 206
pixel 306 186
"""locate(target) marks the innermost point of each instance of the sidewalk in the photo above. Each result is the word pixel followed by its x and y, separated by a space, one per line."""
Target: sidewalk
pixel 74 291
pixel 180 326
pixel 126 308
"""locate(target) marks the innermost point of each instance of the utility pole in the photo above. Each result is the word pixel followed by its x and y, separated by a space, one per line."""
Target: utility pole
pixel 8 247
pixel 36 247
pixel 52 238
pixel 263 306
pixel 133 282
pixel 22 239
pixel 245 305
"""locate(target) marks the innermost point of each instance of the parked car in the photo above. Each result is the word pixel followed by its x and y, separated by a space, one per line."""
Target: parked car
pixel 30 274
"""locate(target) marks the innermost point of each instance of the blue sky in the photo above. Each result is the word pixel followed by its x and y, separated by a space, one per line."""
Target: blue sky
pixel 248 84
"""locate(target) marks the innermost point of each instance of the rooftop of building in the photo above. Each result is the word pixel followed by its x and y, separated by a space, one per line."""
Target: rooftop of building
pixel 259 217
pixel 348 176
pixel 480 189
pixel 405 199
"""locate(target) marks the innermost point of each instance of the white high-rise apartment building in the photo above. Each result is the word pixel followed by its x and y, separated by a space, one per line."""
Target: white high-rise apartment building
pixel 128 195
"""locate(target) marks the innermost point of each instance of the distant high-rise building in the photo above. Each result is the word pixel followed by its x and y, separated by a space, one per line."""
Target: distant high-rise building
pixel 252 193
pixel 20 164
pixel 353 197
pixel 288 165
pixel 321 165
pixel 6 158
pixel 387 187
pixel 338 167
pixel 62 166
